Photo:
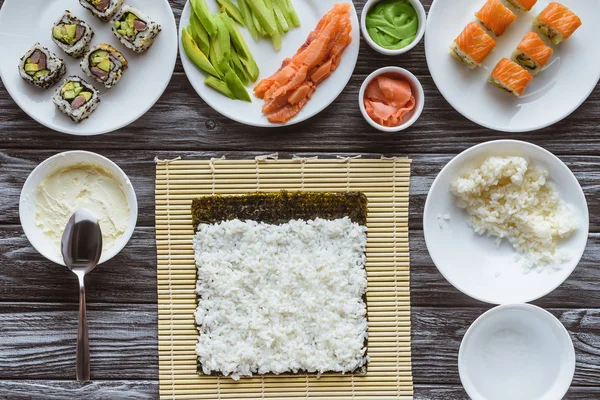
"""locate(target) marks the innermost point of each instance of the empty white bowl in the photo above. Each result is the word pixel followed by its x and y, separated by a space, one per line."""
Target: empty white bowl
pixel 417 91
pixel 516 352
pixel 27 202
pixel 475 264
pixel 420 32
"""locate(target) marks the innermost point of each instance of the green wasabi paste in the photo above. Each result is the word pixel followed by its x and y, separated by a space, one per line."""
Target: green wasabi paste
pixel 393 24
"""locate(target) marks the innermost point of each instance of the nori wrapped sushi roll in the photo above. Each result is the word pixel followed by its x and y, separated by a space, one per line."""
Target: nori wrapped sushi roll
pixel 41 67
pixel 72 35
pixel 102 9
pixel 105 64
pixel 135 30
pixel 76 98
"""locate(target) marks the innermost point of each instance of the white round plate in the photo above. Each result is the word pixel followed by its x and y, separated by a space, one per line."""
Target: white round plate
pixel 269 61
pixel 557 91
pixel 474 264
pixel 516 352
pixel 28 201
pixel 26 22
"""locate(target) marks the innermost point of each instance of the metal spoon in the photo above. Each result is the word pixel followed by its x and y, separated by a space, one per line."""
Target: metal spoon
pixel 81 251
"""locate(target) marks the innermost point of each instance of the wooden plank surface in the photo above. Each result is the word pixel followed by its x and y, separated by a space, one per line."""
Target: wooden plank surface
pixel 38 300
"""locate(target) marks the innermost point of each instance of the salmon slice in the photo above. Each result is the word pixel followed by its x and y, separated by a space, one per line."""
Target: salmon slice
pixel 286 113
pixel 475 42
pixel 535 48
pixel 495 16
pixel 523 5
pixel 510 76
pixel 560 19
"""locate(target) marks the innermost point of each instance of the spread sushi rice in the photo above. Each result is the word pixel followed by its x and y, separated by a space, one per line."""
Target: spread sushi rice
pixel 282 298
pixel 509 198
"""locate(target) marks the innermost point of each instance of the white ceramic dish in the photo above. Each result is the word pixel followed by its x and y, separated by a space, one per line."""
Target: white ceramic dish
pixel 417 90
pixel 27 202
pixel 516 352
pixel 568 80
pixel 474 264
pixel 422 23
pixel 269 61
pixel 142 84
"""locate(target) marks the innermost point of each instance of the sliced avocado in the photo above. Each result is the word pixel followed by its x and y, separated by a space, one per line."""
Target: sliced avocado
pixel 40 74
pixel 28 61
pixel 222 44
pixel 219 86
pixel 77 90
pixel 69 95
pixel 122 32
pixel 87 96
pixel 104 65
pixel 130 18
pixel 236 86
pixel 57 32
pixel 131 32
pixel 100 53
pixel 241 47
pixel 199 34
pixel 232 10
pixel 238 68
pixel 196 55
pixel 68 87
pixel 76 84
pixel 71 32
pixel 205 17
pixel 31 68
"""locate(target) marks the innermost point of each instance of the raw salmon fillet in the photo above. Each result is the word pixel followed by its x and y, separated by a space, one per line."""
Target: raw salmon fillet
pixel 495 16
pixel 288 90
pixel 560 18
pixel 535 48
pixel 527 5
pixel 475 42
pixel 512 75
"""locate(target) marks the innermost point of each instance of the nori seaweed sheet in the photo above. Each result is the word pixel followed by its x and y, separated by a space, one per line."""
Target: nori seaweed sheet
pixel 278 208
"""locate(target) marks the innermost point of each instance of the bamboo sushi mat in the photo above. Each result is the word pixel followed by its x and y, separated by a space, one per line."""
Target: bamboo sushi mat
pixel 386 184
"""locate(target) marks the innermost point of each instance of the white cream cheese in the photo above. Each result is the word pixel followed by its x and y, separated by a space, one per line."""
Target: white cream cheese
pixel 82 186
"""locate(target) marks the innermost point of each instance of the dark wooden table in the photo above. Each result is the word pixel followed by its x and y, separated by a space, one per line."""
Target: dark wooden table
pixel 38 309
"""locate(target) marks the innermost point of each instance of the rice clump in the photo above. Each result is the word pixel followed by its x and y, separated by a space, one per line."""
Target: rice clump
pixel 281 298
pixel 511 199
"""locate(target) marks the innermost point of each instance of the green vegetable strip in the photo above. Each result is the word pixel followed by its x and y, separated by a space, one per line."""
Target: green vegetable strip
pixel 264 16
pixel 283 7
pixel 292 13
pixel 201 10
pixel 247 14
pixel 222 44
pixel 219 86
pixel 241 48
pixel 231 10
pixel 281 21
pixel 199 33
pixel 236 86
pixel 214 61
pixel 238 68
pixel 195 54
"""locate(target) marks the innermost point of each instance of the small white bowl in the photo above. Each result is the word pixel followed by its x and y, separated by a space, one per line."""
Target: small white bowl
pixel 475 264
pixel 420 32
pixel 417 90
pixel 28 199
pixel 516 352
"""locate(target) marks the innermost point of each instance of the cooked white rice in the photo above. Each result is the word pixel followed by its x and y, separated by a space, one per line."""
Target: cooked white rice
pixel 511 199
pixel 281 298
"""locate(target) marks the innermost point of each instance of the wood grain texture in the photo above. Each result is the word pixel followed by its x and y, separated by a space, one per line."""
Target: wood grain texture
pixel 38 300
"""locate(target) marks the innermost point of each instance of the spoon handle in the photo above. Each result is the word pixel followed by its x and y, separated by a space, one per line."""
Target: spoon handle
pixel 83 349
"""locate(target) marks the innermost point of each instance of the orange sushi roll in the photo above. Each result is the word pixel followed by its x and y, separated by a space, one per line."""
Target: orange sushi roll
pixel 495 16
pixel 510 76
pixel 557 22
pixel 522 5
pixel 473 45
pixel 532 53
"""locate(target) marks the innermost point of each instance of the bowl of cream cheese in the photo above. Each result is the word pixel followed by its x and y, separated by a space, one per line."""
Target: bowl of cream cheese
pixel 70 181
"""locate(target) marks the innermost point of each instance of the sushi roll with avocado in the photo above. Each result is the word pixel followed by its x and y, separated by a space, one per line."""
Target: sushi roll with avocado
pixel 135 30
pixel 76 98
pixel 72 35
pixel 102 9
pixel 40 67
pixel 105 64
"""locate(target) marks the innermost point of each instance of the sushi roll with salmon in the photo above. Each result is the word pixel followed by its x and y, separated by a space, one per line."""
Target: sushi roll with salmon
pixel 72 35
pixel 105 64
pixel 522 5
pixel 102 9
pixel 510 76
pixel 135 30
pixel 557 22
pixel 473 45
pixel 532 53
pixel 495 16
pixel 76 98
pixel 41 67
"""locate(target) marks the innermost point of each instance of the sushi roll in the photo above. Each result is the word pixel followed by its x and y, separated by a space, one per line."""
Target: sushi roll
pixel 41 67
pixel 105 64
pixel 76 98
pixel 135 30
pixel 557 22
pixel 473 45
pixel 72 35
pixel 495 16
pixel 510 76
pixel 102 9
pixel 522 5
pixel 532 53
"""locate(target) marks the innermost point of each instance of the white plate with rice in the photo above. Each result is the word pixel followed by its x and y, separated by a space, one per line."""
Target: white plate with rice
pixel 486 268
